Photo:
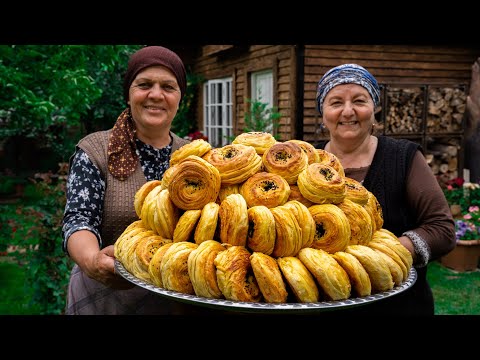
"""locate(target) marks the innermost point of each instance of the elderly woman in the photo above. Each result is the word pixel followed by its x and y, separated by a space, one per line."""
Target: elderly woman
pixel 395 171
pixel 106 170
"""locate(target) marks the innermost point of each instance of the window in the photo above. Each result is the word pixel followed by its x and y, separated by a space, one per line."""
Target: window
pixel 217 111
pixel 262 87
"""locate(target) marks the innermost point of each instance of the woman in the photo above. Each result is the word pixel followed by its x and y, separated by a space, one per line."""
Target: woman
pixel 395 171
pixel 107 169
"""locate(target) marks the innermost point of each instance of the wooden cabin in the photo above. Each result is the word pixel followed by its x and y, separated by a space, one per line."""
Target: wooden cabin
pixel 424 91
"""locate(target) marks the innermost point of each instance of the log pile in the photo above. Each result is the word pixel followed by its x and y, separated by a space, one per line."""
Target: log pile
pixel 446 106
pixel 442 156
pixel 405 110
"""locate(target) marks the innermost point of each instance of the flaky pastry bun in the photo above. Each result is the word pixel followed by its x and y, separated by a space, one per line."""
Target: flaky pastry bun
pixel 286 159
pixel 261 233
pixel 309 149
pixel 184 231
pixel 357 274
pixel 327 158
pixel 142 193
pixel 235 162
pixel 356 191
pixel 299 279
pixel 289 238
pixel 261 141
pixel 198 147
pixel 194 183
pixel 322 184
pixel 174 267
pixel 332 228
pixel 235 276
pixel 269 278
pixel 207 224
pixel 361 227
pixel 233 218
pixel 264 188
pixel 154 265
pixel 296 194
pixel 375 210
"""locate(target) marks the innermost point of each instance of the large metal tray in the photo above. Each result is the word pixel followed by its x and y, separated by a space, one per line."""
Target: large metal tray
pixel 249 307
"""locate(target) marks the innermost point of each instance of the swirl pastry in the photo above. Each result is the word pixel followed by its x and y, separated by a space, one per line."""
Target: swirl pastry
pixel 184 231
pixel 299 279
pixel 286 159
pixel 168 176
pixel 235 162
pixel 174 267
pixel 356 191
pixel 395 269
pixel 226 190
pixel 131 230
pixel 361 227
pixel 142 193
pixel 375 210
pixel 144 252
pixel 195 183
pixel 390 241
pixel 261 230
pixel 149 208
pixel 289 238
pixel 327 158
pixel 235 276
pixel 321 184
pixel 375 265
pixel 269 278
pixel 207 224
pixel 357 274
pixel 332 229
pixel 233 217
pixel 309 149
pixel 154 265
pixel 266 189
pixel 202 270
pixel 331 277
pixel 261 141
pixel 166 215
pixel 198 147
pixel 295 194
pixel 128 254
pixel 305 221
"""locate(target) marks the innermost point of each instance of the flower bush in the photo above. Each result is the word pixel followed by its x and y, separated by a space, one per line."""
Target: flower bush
pixel 468 228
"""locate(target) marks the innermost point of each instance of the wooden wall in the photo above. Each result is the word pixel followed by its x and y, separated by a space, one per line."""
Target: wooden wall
pixel 390 64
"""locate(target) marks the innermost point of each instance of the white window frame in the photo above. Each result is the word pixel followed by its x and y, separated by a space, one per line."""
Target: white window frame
pixel 262 89
pixel 217 111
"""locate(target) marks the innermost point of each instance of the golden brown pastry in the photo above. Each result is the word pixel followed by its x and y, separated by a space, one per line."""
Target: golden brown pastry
pixel 295 194
pixel 154 265
pixel 388 239
pixel 375 265
pixel 235 162
pixel 261 141
pixel 174 267
pixel 309 149
pixel 233 217
pixel 261 233
pixel 266 189
pixel 299 279
pixel 198 147
pixel 327 158
pixel 235 276
pixel 361 227
pixel 194 184
pixel 184 231
pixel 144 252
pixel 142 193
pixel 286 159
pixel 168 176
pixel 149 208
pixel 356 192
pixel 226 190
pixel 375 210
pixel 331 277
pixel 269 278
pixel 289 238
pixel 305 221
pixel 321 184
pixel 207 224
pixel 357 274
pixel 395 269
pixel 132 229
pixel 166 215
pixel 202 270
pixel 332 228
pixel 128 254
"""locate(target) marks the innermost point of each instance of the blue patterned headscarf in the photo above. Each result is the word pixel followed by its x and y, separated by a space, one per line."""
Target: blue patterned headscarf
pixel 347 74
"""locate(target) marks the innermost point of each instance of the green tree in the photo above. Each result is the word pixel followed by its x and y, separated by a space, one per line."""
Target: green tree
pixel 261 118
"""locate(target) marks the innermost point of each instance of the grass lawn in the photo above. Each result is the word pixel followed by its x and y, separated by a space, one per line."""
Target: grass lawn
pixel 455 293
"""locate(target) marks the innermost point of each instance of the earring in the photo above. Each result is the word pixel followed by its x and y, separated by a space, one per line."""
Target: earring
pixel 373 128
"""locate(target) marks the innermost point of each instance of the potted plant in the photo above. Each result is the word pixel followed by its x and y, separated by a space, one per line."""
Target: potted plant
pixel 465 256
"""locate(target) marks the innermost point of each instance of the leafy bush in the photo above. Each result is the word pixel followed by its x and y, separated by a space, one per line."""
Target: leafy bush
pixel 261 118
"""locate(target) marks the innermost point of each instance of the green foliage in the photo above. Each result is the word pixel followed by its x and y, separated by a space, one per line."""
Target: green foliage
pixel 52 93
pixel 261 118
pixel 33 228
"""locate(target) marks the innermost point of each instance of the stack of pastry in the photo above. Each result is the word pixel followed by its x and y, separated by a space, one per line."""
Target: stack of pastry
pixel 261 220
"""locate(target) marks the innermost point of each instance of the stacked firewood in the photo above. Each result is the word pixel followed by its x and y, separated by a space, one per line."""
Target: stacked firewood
pixel 405 110
pixel 446 106
pixel 442 156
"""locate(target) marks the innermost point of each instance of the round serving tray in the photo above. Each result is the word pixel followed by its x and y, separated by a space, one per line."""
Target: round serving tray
pixel 251 307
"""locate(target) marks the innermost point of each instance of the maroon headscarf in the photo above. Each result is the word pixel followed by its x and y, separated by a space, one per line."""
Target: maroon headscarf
pixel 122 156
